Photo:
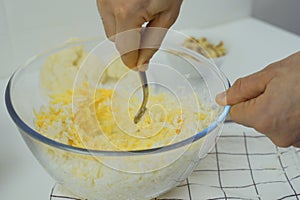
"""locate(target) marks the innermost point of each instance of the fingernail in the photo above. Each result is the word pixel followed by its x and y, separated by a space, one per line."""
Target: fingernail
pixel 221 98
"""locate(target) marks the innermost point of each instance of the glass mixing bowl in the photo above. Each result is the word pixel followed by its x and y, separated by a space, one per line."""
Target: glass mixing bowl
pixel 122 174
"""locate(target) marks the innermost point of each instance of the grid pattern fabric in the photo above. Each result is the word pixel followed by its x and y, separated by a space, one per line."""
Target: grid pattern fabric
pixel 244 165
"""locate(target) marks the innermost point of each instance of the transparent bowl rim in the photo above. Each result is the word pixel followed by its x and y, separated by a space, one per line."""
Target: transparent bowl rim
pixel 39 137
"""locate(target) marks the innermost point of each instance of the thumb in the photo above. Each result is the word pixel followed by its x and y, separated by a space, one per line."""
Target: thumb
pixel 246 97
pixel 154 34
pixel 245 88
pixel 151 40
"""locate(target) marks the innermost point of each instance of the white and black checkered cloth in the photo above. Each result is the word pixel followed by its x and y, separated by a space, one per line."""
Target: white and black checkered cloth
pixel 243 165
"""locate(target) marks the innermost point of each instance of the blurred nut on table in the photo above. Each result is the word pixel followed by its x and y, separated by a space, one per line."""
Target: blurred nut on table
pixel 205 47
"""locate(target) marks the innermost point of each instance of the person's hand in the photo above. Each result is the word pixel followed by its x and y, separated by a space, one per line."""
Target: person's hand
pixel 269 101
pixel 119 16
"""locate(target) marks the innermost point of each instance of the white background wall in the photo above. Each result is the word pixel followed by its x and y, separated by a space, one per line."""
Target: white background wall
pixel 36 25
pixel 31 26
pixel 203 13
pixel 283 13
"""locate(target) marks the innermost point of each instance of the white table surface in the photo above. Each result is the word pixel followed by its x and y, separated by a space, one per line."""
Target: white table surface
pixel 252 44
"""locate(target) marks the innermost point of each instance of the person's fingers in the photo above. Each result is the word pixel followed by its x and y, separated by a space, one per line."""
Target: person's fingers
pixel 267 114
pixel 109 24
pixel 248 99
pixel 154 34
pixel 108 20
pixel 245 88
pixel 246 113
pixel 125 22
pixel 297 144
pixel 127 43
pixel 151 40
pixel 128 38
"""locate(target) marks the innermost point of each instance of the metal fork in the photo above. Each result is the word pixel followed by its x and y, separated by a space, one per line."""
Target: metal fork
pixel 143 108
